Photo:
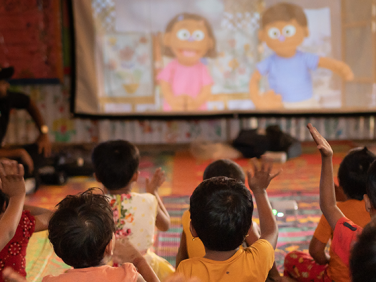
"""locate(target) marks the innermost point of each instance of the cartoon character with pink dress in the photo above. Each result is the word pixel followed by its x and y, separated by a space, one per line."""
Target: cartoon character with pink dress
pixel 186 82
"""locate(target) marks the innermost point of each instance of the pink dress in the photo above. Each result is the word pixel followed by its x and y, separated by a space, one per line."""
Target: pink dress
pixel 185 80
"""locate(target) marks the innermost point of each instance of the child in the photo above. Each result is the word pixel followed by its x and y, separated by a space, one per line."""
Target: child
pixel 221 215
pixel 185 82
pixel 136 215
pixel 33 219
pixel 345 231
pixel 82 233
pixel 12 183
pixel 352 176
pixel 194 248
pixel 283 28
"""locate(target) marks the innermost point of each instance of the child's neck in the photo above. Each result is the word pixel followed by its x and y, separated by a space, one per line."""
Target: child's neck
pixel 218 255
pixel 125 190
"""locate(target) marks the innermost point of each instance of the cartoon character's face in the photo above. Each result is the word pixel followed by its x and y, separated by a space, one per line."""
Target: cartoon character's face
pixel 283 37
pixel 189 41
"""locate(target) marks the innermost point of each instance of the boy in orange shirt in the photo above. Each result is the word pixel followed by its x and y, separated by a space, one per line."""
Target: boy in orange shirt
pixel 194 248
pixel 221 215
pixel 352 176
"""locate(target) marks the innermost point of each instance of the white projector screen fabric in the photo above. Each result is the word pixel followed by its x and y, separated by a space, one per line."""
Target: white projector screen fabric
pixel 206 57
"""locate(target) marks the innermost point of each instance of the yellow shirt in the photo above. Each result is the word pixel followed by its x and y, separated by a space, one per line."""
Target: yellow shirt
pixel 195 248
pixel 355 211
pixel 249 264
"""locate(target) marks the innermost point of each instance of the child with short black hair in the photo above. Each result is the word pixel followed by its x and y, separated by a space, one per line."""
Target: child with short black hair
pixel 135 214
pixel 221 215
pixel 82 234
pixel 345 231
pixel 352 177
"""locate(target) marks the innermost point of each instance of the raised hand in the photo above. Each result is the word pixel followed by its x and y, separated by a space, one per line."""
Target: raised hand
pixel 156 181
pixel 11 175
pixel 261 177
pixel 322 144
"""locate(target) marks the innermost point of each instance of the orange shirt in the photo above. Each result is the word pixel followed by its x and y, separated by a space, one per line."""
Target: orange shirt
pixel 249 264
pixel 354 210
pixel 195 248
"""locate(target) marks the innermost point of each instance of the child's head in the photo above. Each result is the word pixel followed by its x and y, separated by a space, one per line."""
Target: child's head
pixel 116 163
pixel 221 213
pixel 352 173
pixel 363 255
pixel 224 167
pixel 370 197
pixel 283 28
pixel 4 201
pixel 81 230
pixel 189 38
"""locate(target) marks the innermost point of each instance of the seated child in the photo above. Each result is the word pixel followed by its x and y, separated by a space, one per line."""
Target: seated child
pixel 352 175
pixel 345 231
pixel 12 184
pixel 221 215
pixel 33 219
pixel 194 248
pixel 135 214
pixel 81 231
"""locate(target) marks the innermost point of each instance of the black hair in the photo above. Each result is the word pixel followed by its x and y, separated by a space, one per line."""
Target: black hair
pixel 371 184
pixel 284 12
pixel 81 228
pixel 221 213
pixel 363 255
pixel 4 199
pixel 352 172
pixel 115 163
pixel 224 167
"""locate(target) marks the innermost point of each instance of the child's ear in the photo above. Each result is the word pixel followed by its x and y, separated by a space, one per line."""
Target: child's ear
pixel 193 231
pixel 167 39
pixel 135 176
pixel 367 203
pixel 109 250
pixel 96 178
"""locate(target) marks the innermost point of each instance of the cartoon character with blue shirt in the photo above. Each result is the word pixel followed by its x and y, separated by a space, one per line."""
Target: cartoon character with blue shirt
pixel 283 28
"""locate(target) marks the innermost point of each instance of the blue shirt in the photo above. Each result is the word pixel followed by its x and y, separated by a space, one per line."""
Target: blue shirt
pixel 290 77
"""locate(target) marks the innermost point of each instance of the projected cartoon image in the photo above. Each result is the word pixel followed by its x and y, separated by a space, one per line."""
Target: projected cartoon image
pixel 283 28
pixel 186 82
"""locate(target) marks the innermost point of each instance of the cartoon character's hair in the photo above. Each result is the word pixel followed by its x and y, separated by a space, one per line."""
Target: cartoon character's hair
pixel 211 53
pixel 224 167
pixel 284 12
pixel 352 172
pixel 115 162
pixel 81 228
pixel 221 213
pixel 363 255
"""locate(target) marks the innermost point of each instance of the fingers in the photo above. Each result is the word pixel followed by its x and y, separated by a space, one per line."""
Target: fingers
pixel 21 170
pixel 275 174
pixel 254 164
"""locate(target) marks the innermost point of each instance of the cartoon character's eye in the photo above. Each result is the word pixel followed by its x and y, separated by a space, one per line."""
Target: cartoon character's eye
pixel 274 33
pixel 198 35
pixel 183 34
pixel 289 30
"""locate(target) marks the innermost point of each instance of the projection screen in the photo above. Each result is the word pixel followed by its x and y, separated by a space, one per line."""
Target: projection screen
pixel 205 57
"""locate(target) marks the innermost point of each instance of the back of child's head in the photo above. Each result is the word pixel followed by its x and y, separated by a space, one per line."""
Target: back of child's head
pixel 363 255
pixel 81 228
pixel 284 12
pixel 4 201
pixel 221 213
pixel 352 172
pixel 115 163
pixel 371 184
pixel 224 167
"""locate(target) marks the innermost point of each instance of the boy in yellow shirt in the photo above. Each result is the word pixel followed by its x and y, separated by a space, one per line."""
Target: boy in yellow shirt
pixel 221 215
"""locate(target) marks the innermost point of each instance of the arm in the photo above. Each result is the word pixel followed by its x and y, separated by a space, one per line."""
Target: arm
pixel 11 175
pixel 328 203
pixel 18 153
pixel 42 217
pixel 163 218
pixel 254 88
pixel 258 184
pixel 176 102
pixel 338 67
pixel 12 276
pixel 195 103
pixel 182 252
pixel 43 140
pixel 317 251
